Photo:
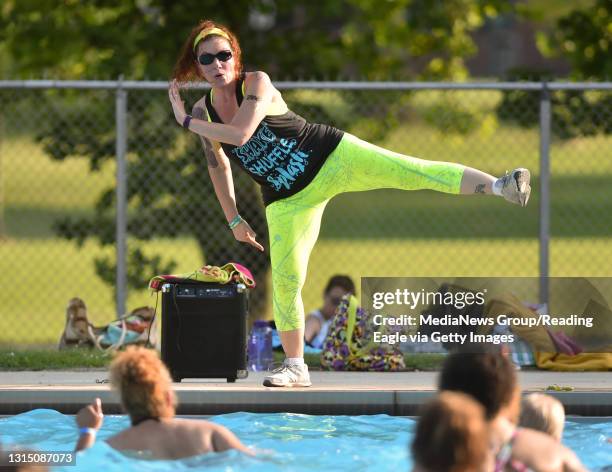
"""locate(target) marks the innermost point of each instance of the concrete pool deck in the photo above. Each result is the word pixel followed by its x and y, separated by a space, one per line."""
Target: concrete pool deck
pixel 334 393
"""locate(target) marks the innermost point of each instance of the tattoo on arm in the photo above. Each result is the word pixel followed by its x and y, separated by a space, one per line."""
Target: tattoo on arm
pixel 253 97
pixel 480 188
pixel 211 159
pixel 200 114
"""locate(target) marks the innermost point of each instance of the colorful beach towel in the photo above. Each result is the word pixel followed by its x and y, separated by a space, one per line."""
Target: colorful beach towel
pixel 230 272
pixel 348 345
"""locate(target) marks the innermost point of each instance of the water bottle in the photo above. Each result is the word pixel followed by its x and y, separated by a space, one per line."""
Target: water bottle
pixel 260 346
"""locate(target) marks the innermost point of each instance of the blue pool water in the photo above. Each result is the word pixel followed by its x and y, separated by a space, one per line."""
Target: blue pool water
pixel 290 442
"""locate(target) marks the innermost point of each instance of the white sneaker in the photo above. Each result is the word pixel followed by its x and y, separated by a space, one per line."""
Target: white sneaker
pixel 288 376
pixel 515 186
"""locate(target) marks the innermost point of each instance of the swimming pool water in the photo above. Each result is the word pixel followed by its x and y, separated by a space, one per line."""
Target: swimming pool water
pixel 291 442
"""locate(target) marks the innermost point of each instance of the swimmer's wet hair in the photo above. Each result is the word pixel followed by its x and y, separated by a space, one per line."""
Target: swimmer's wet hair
pixel 451 435
pixel 143 382
pixel 490 378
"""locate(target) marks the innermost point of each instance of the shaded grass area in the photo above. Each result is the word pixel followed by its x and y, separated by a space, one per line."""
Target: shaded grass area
pixel 34 222
pixel 44 274
pixel 578 208
pixel 48 360
pixel 579 205
pixel 14 360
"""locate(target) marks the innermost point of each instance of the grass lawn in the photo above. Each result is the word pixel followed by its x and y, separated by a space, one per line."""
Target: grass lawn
pixel 40 359
pixel 91 359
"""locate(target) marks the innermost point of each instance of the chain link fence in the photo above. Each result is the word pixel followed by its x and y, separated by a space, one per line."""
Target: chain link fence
pixel 100 190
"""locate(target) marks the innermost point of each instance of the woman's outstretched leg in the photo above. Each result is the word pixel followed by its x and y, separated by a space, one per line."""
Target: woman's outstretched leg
pixel 357 165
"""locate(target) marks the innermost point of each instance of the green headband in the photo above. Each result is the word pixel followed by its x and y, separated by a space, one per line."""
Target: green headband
pixel 208 32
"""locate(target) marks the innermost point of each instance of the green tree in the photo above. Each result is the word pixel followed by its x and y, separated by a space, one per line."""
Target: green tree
pixel 584 37
pixel 366 39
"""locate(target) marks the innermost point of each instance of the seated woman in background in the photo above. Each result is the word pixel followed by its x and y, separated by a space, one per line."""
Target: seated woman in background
pixel 318 321
pixel 452 436
pixel 144 385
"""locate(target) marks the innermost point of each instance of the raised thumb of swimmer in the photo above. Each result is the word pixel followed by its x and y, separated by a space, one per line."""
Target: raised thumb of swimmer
pixel 98 407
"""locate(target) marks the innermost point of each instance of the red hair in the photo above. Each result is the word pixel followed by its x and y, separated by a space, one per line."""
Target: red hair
pixel 186 68
pixel 143 381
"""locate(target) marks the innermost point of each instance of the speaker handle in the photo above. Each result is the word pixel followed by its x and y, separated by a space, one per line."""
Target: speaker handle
pixel 240 288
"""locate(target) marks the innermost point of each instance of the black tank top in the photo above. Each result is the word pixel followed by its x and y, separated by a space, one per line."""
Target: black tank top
pixel 284 153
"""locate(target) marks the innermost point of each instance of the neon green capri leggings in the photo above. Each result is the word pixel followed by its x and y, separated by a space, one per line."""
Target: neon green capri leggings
pixel 294 222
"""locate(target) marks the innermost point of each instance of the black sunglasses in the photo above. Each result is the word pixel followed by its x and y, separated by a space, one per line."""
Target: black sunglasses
pixel 206 59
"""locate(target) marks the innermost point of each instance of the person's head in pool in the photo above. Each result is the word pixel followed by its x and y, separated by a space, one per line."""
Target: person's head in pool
pixel 454 423
pixel 488 377
pixel 211 52
pixel 143 383
pixel 543 413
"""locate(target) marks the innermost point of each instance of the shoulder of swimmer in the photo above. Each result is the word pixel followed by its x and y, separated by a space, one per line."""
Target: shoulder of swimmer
pixel 539 451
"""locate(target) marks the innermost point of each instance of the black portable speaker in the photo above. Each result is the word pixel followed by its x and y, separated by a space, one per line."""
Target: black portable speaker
pixel 204 330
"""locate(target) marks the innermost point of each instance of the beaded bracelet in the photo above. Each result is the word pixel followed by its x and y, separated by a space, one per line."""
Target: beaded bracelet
pixel 235 222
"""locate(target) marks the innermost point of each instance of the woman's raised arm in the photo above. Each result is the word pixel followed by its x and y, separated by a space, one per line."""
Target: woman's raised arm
pixel 220 173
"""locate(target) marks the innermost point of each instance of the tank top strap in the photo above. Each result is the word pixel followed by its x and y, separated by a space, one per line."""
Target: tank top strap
pixel 240 89
pixel 212 114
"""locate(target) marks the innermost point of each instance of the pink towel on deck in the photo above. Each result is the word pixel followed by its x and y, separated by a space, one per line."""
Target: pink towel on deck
pixel 230 272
